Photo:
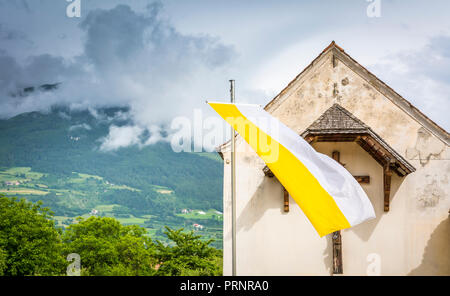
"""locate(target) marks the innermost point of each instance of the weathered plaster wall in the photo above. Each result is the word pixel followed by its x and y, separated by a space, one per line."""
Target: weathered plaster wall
pixel 412 238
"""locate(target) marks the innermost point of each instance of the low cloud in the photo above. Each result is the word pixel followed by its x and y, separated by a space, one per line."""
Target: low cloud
pixel 123 136
pixel 130 59
pixel 81 126
pixel 156 135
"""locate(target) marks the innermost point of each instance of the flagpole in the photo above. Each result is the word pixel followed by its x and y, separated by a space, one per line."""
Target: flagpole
pixel 233 189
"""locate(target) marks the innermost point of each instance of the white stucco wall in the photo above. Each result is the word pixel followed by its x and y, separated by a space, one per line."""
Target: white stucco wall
pixel 412 238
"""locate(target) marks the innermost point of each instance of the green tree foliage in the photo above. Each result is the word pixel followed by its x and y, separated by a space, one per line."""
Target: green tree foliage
pixel 29 242
pixel 188 256
pixel 2 262
pixel 108 248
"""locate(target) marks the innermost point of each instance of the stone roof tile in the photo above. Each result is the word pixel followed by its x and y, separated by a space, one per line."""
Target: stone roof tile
pixel 336 117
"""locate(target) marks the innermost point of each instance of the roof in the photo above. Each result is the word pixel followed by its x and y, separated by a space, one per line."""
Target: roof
pixel 388 92
pixel 337 118
pixel 338 124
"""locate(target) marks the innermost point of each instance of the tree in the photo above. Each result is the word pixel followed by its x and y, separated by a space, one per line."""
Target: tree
pixel 29 242
pixel 2 262
pixel 108 248
pixel 188 255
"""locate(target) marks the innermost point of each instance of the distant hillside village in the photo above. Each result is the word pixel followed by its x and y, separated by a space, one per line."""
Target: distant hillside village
pixel 12 183
pixel 194 213
pixel 196 226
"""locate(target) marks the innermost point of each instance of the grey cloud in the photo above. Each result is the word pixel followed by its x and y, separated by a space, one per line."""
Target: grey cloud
pixel 422 76
pixel 437 62
pixel 144 42
pixel 20 4
pixel 432 61
pixel 44 69
pixel 10 34
pixel 64 115
pixel 114 36
pixel 132 59
pixel 25 5
pixel 25 87
pixel 441 45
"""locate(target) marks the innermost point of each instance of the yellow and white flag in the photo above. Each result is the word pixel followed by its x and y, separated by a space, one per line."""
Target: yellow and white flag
pixel 326 192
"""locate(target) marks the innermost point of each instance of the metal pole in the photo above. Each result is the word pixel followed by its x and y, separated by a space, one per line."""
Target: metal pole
pixel 233 189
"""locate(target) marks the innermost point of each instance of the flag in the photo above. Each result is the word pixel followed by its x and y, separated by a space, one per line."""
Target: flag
pixel 326 192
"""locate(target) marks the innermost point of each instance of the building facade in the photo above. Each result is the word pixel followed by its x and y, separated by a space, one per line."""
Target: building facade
pixel 399 156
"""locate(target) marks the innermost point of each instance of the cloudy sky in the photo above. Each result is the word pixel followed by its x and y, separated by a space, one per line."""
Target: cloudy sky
pixel 163 59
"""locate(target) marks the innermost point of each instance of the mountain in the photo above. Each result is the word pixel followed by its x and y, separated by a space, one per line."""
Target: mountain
pixel 55 157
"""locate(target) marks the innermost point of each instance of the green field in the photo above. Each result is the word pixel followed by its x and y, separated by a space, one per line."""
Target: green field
pixel 84 193
pixel 22 191
pixel 201 215
pixel 213 156
pixel 18 174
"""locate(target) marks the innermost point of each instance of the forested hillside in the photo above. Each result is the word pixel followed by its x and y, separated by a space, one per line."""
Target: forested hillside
pixel 55 157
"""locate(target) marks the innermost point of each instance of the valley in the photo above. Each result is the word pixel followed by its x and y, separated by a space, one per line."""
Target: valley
pixel 82 195
pixel 57 160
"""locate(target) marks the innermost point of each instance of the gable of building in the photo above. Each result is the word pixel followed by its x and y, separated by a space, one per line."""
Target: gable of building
pixel 334 55
pixel 335 77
